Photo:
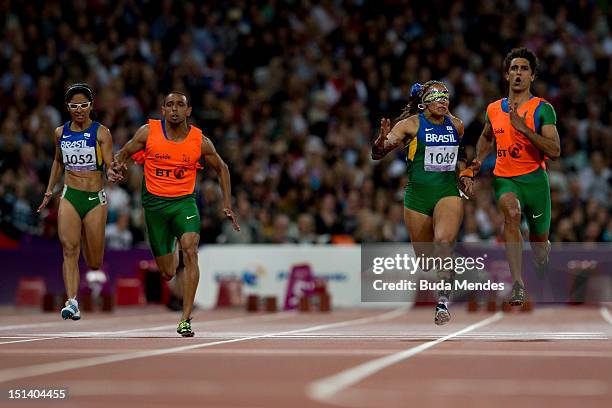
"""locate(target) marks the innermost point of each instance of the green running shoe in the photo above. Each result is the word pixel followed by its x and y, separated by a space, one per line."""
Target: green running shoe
pixel 184 328
pixel 518 294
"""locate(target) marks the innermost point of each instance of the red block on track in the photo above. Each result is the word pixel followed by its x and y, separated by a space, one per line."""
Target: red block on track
pixel 129 292
pixel 30 291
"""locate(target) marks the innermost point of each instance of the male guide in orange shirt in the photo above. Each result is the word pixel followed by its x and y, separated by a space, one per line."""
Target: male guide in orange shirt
pixel 524 130
pixel 172 150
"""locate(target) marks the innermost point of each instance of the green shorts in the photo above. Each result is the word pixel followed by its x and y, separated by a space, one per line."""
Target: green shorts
pixel 533 192
pixel 83 201
pixel 424 197
pixel 170 222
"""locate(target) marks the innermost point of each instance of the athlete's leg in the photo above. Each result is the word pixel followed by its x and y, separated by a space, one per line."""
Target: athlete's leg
pixel 167 265
pixel 540 246
pixel 69 231
pixel 93 236
pixel 162 241
pixel 447 217
pixel 191 273
pixel 510 207
pixel 536 191
pixel 420 230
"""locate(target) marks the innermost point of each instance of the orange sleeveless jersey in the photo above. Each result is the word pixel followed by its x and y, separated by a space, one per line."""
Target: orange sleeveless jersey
pixel 170 167
pixel 516 155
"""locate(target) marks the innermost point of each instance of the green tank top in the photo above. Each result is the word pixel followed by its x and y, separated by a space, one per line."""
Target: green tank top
pixel 432 155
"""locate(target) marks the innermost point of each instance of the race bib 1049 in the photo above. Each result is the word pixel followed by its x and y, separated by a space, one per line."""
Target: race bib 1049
pixel 440 158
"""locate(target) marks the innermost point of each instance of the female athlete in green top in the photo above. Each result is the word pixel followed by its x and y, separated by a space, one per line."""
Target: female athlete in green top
pixel 433 210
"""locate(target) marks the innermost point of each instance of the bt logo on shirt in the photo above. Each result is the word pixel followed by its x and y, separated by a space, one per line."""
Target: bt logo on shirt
pixel 178 173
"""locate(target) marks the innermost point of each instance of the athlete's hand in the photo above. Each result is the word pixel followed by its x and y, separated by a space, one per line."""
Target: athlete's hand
pixel 112 175
pixel 118 166
pixel 385 128
pixel 518 122
pixel 466 178
pixel 229 214
pixel 466 186
pixel 45 201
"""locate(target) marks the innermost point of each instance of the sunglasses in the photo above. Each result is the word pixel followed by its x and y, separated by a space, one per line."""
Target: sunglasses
pixel 75 106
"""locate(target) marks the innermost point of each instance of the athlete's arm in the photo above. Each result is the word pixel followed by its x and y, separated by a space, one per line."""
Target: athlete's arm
pixel 56 169
pixel 483 148
pixel 137 143
pixel 548 142
pixel 461 156
pixel 216 162
pixel 106 145
pixel 390 139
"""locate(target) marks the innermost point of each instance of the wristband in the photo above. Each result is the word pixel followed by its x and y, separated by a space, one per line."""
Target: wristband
pixel 471 171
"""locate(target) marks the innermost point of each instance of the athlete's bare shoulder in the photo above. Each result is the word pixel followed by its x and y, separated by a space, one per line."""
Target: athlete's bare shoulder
pixel 57 133
pixel 144 128
pixel 142 133
pixel 410 125
pixel 207 144
pixel 458 123
pixel 103 131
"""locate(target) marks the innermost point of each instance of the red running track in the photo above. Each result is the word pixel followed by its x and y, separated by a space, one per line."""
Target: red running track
pixel 560 357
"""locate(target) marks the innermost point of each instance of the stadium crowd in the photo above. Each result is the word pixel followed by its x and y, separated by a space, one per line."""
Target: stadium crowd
pixel 290 93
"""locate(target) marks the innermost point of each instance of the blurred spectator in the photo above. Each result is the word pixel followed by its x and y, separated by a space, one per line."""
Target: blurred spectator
pixel 118 235
pixel 291 92
pixel 595 179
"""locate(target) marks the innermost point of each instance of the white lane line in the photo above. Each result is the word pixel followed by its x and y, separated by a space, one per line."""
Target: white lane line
pixel 25 341
pixel 460 387
pixel 242 319
pixel 56 367
pixel 99 334
pixel 327 352
pixel 18 337
pixel 325 388
pixel 605 313
pixel 81 322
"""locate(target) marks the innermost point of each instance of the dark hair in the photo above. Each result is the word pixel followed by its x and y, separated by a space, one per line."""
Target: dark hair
pixel 179 93
pixel 415 99
pixel 522 53
pixel 80 88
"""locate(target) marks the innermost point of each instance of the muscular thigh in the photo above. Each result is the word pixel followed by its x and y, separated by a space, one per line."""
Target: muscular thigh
pixel 68 223
pixel 447 218
pixel 94 225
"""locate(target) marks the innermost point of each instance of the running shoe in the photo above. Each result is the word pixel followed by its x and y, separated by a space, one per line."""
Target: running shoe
pixel 518 294
pixel 184 328
pixel 442 315
pixel 71 311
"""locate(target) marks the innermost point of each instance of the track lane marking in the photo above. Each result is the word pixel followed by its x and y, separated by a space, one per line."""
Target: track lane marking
pixel 605 313
pixel 27 340
pixel 323 389
pixel 19 373
pixel 289 352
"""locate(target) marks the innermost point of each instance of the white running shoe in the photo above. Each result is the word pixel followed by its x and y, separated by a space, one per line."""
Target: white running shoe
pixel 71 311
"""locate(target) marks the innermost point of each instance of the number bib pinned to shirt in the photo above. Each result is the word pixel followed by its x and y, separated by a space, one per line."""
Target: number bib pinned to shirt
pixel 440 158
pixel 78 156
pixel 80 149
